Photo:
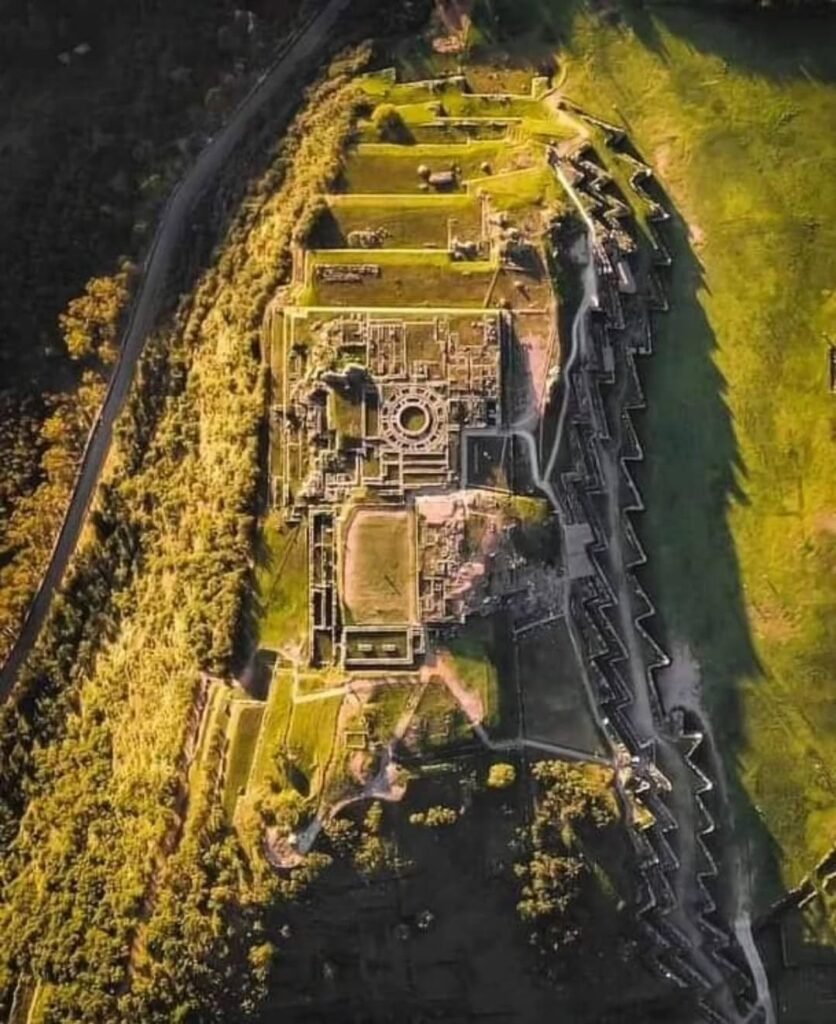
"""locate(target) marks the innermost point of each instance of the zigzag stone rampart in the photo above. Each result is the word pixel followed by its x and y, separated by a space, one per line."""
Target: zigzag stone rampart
pixel 599 433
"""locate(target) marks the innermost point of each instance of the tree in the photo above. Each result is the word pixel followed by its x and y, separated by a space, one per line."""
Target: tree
pixel 501 776
pixel 90 323
pixel 261 958
pixel 435 817
pixel 389 124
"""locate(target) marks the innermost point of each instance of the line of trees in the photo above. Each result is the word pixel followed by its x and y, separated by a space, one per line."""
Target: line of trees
pixel 553 873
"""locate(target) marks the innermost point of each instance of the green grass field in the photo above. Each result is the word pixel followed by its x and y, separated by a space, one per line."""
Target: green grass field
pixel 310 740
pixel 294 743
pixel 555 704
pixel 440 718
pixel 443 130
pixel 417 278
pixel 378 568
pixel 414 99
pixel 472 654
pixel 534 186
pixel 410 221
pixel 739 120
pixel 274 728
pixel 245 719
pixel 384 167
pixel 282 582
pixel 386 708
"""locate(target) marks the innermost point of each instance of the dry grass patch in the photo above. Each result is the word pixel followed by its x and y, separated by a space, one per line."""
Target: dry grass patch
pixel 378 567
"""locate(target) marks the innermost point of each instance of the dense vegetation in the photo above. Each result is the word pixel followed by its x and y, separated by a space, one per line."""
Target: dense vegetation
pixel 41 440
pixel 553 874
pixel 142 905
pixel 102 711
pixel 90 143
pixel 576 880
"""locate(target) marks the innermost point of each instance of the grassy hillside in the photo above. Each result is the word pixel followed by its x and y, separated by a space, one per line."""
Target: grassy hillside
pixel 738 117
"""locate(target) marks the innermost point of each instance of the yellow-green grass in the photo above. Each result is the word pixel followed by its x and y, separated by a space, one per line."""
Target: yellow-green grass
pixel 739 120
pixel 380 85
pixel 312 681
pixel 546 128
pixel 282 584
pixel 205 765
pixel 530 292
pixel 516 190
pixel 387 706
pixel 530 511
pixel 440 720
pixel 462 104
pixel 377 566
pixel 245 719
pixel 456 103
pixel 345 415
pixel 310 740
pixel 446 130
pixel 421 278
pixel 386 167
pixel 422 122
pixel 409 221
pixel 275 722
pixel 418 113
pixel 452 98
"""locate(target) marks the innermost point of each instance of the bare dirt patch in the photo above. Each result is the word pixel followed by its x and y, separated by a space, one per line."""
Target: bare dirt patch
pixel 440 668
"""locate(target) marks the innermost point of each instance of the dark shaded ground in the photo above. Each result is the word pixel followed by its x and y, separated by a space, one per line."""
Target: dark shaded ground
pixel 357 951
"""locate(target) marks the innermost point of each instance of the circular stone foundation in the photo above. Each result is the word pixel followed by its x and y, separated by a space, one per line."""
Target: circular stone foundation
pixel 414 419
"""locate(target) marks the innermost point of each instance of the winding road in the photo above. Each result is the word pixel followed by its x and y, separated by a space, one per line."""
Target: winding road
pixel 295 57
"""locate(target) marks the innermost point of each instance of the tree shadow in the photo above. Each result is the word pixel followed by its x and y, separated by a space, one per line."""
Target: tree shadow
pixel 774 43
pixel 519 395
pixel 245 665
pixel 327 232
pixel 797 948
pixel 640 18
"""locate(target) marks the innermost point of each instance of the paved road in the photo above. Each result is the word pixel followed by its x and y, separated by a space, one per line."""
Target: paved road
pixel 294 59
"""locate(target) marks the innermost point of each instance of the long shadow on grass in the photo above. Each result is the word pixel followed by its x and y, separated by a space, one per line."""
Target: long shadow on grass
pixel 253 607
pixel 775 44
pixel 691 477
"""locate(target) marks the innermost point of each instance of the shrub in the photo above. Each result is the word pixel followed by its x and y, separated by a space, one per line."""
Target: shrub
pixel 389 124
pixel 501 776
pixel 435 817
